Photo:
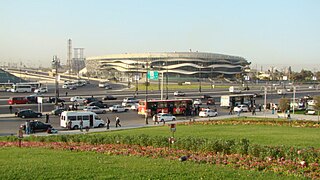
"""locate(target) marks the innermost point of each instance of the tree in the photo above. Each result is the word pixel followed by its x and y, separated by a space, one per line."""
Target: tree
pixel 284 104
pixel 317 104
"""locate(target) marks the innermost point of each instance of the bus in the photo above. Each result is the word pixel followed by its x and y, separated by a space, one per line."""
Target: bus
pixel 171 106
pixel 236 99
pixel 34 85
pixel 16 88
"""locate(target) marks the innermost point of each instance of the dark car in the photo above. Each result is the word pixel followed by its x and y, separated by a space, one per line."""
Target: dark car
pixel 37 126
pixel 57 112
pixel 205 96
pixel 210 101
pixel 32 99
pixel 28 113
pixel 109 97
pixel 89 100
pixel 98 104
pixel 53 100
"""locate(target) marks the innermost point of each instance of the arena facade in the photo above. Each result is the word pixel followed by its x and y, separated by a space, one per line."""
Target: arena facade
pixel 174 64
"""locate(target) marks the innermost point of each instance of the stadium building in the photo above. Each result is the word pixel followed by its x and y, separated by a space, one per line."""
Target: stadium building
pixel 174 64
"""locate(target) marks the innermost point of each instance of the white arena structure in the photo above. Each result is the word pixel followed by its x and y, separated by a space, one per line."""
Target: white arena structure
pixel 174 64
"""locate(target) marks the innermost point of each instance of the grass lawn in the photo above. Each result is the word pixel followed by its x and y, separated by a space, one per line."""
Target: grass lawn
pixel 259 134
pixel 38 163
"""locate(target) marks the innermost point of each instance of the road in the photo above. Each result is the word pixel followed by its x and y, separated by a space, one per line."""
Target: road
pixel 10 124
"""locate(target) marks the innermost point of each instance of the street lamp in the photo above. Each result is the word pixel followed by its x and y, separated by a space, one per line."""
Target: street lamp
pixel 146 104
pixel 200 65
pixel 166 78
pixel 294 98
pixel 55 63
pixel 137 77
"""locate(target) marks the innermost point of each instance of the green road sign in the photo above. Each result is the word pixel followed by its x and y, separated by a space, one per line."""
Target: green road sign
pixel 153 75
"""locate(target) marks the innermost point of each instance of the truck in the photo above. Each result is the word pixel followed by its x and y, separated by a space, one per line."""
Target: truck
pixel 73 118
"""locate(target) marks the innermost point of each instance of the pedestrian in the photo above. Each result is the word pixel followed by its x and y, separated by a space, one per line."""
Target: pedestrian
pixel 47 118
pixel 27 130
pixel 62 105
pixel 118 121
pixel 69 125
pixel 66 93
pixel 81 125
pixel 254 110
pixel 231 109
pixel 239 111
pixel 260 107
pixel 10 109
pixel 155 119
pixel 108 123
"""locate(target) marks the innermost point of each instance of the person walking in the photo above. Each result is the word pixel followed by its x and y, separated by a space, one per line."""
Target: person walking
pixel 47 118
pixel 66 93
pixel 27 126
pixel 231 109
pixel 254 110
pixel 10 109
pixel 118 121
pixel 108 123
pixel 81 125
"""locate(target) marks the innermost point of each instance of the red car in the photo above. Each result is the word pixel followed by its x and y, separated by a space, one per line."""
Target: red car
pixel 18 100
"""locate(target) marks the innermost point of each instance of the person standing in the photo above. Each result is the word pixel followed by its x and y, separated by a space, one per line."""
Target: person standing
pixel 66 93
pixel 118 121
pixel 108 123
pixel 10 109
pixel 231 109
pixel 47 118
pixel 27 126
pixel 254 110
pixel 81 125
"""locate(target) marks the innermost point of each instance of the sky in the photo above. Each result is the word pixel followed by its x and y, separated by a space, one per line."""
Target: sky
pixel 265 32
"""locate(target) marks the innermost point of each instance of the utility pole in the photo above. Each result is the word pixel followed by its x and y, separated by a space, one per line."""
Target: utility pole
pixel 265 100
pixel 146 104
pixel 55 63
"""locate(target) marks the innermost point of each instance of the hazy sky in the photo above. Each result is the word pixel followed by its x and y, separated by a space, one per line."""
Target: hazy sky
pixel 279 32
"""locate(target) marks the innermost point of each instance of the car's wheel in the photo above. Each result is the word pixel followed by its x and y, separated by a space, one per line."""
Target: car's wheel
pixel 125 110
pixel 75 127
pixel 173 119
pixel 23 116
pixel 100 125
pixel 103 112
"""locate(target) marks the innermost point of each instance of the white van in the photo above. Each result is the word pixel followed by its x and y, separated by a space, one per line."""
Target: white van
pixel 90 119
pixel 234 90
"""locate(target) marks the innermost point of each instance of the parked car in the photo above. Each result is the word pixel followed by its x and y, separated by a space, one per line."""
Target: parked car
pixel 78 99
pixel 108 87
pixel 208 113
pixel 129 101
pixel 135 106
pixel 18 100
pixel 41 90
pixel 117 108
pixel 89 100
pixel 179 93
pixel 28 113
pixel 53 100
pixel 95 109
pixel 210 101
pixel 37 126
pixel 99 104
pixel 241 107
pixel 32 99
pixel 57 112
pixel 163 117
pixel 109 97
pixel 205 96
pixel 197 102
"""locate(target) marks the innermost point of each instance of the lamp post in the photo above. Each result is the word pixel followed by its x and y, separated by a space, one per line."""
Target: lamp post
pixel 137 78
pixel 265 100
pixel 167 96
pixel 55 63
pixel 200 78
pixel 294 98
pixel 146 116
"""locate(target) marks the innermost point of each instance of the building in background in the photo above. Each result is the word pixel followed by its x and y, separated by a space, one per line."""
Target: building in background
pixel 175 64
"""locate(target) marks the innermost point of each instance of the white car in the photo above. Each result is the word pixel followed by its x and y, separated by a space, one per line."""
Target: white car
pixel 117 108
pixel 241 107
pixel 179 93
pixel 41 90
pixel 135 106
pixel 78 99
pixel 162 117
pixel 95 109
pixel 129 101
pixel 197 102
pixel 208 113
